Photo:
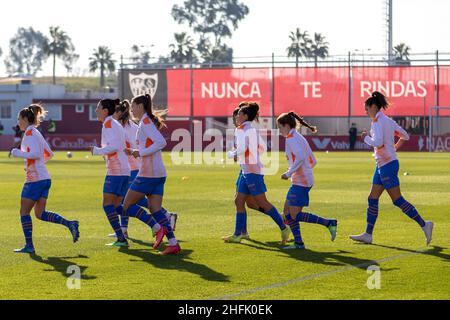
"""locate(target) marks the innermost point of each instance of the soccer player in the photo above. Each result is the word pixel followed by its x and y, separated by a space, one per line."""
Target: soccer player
pixel 152 173
pixel 301 163
pixel 251 182
pixel 36 152
pixel 382 139
pixel 118 169
pixel 123 116
pixel 250 201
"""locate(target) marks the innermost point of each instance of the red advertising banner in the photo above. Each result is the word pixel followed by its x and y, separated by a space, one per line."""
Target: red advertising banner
pixel 179 93
pixel 312 91
pixel 308 91
pixel 444 90
pixel 411 90
pixel 217 92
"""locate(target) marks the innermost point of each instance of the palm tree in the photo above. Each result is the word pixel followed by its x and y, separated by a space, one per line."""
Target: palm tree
pixel 319 48
pixel 58 46
pixel 401 52
pixel 102 60
pixel 182 49
pixel 300 45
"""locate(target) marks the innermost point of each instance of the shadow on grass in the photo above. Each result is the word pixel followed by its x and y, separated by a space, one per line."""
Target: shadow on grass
pixel 434 251
pixel 60 264
pixel 144 243
pixel 175 262
pixel 339 258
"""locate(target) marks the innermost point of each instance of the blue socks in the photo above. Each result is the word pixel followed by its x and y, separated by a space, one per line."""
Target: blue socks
pixel 241 223
pixel 123 220
pixel 113 219
pixel 295 228
pixel 53 217
pixel 137 212
pixel 372 215
pixel 143 203
pixel 273 213
pixel 162 220
pixel 27 226
pixel 409 210
pixel 311 218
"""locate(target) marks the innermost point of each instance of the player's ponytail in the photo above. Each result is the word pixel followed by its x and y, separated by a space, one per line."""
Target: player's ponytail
pixel 124 109
pixel 291 119
pixel 146 101
pixel 378 99
pixel 110 105
pixel 35 114
pixel 303 122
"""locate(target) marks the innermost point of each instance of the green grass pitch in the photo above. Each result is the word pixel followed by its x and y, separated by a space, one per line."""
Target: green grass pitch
pixel 210 269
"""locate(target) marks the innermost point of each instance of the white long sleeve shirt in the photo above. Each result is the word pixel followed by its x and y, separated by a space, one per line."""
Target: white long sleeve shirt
pixel 382 138
pixel 150 145
pixel 249 148
pixel 301 160
pixel 36 152
pixel 113 146
pixel 131 129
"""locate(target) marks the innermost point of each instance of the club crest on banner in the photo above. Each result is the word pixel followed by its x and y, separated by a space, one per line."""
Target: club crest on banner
pixel 143 83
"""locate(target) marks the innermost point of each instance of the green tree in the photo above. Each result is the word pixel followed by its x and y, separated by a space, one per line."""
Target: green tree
pixel 401 54
pixel 70 59
pixel 59 46
pixel 102 60
pixel 213 21
pixel 183 49
pixel 26 52
pixel 219 56
pixel 318 48
pixel 300 45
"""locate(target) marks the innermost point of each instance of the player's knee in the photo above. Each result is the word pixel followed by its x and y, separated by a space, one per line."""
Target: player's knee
pixel 38 214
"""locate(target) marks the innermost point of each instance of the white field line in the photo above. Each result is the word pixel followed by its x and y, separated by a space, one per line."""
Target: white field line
pixel 313 276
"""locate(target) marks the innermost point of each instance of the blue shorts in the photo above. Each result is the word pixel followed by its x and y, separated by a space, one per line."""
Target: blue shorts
pixel 298 196
pixel 133 176
pixel 387 175
pixel 117 185
pixel 36 190
pixel 149 186
pixel 251 184
pixel 239 178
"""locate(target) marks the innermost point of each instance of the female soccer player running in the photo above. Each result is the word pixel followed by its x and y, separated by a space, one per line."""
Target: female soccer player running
pixel 251 182
pixel 36 152
pixel 250 201
pixel 123 116
pixel 118 169
pixel 152 173
pixel 301 163
pixel 382 133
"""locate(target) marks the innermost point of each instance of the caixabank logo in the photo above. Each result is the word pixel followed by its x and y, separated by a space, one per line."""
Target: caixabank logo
pixel 136 82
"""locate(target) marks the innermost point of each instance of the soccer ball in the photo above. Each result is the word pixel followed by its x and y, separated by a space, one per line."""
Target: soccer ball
pixel 69 154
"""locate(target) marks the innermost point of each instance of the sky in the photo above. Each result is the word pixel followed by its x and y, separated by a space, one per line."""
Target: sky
pixel 348 25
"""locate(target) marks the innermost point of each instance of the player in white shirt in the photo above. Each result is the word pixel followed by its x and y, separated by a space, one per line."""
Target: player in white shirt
pixel 301 163
pixel 251 183
pixel 118 169
pixel 152 174
pixel 36 152
pixel 123 116
pixel 382 138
